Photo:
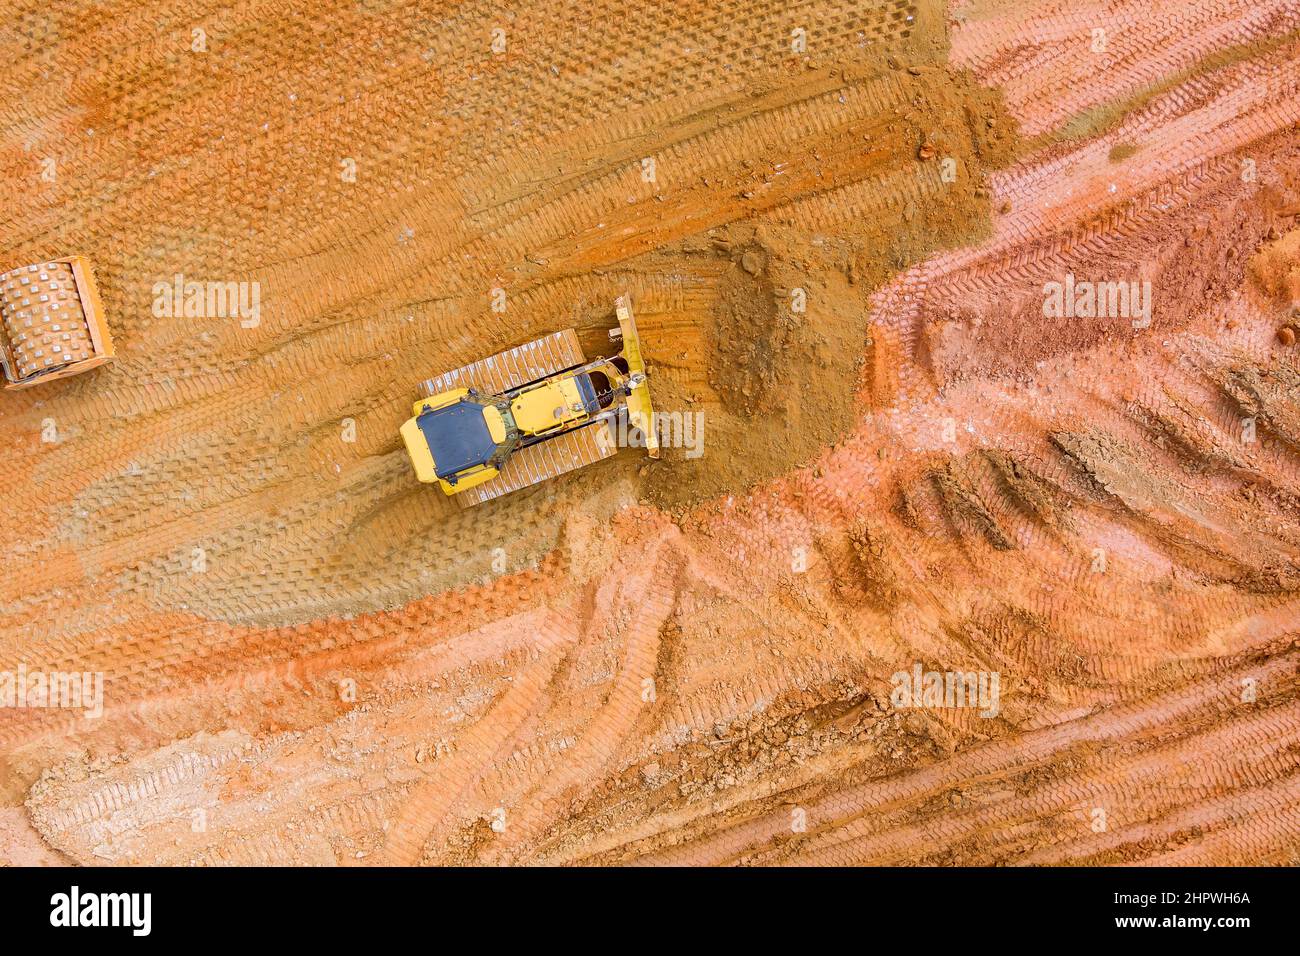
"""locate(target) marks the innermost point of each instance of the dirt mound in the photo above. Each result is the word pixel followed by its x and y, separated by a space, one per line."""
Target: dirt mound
pixel 1276 268
pixel 750 338
pixel 779 381
pixel 787 331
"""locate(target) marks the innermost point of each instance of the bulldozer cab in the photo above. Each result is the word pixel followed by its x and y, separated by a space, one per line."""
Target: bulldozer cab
pixel 461 436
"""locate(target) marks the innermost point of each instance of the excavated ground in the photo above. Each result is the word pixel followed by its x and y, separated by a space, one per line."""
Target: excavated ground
pixel 840 262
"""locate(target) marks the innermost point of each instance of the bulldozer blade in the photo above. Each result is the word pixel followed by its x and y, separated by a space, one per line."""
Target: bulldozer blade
pixel 640 411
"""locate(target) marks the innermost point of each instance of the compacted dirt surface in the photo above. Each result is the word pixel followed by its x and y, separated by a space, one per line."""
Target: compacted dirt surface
pixel 837 222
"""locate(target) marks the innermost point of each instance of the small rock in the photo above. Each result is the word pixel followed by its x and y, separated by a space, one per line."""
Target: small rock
pixel 752 263
pixel 1286 335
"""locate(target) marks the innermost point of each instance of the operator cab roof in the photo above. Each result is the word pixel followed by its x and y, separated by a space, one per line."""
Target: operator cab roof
pixel 458 438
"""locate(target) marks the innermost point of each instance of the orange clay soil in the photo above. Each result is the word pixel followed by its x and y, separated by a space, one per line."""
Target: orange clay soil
pixel 840 260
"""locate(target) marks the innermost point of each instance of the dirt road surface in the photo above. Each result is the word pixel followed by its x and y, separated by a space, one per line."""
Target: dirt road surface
pixel 839 223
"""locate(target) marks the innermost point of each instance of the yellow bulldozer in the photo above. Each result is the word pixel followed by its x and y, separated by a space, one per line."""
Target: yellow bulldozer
pixel 528 414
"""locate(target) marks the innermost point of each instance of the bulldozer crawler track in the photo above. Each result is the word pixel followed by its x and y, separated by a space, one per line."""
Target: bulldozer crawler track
pixel 512 369
pixel 542 461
